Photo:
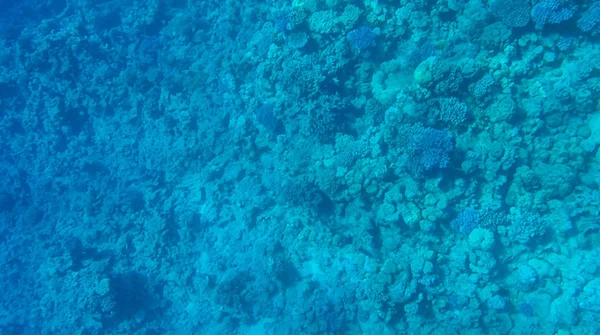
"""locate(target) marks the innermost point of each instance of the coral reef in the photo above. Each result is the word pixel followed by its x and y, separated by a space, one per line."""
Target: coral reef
pixel 300 167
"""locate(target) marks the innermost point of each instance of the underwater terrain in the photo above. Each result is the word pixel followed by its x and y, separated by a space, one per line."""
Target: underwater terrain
pixel 287 167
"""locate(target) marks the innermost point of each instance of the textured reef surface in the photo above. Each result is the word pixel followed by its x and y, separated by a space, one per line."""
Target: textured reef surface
pixel 301 167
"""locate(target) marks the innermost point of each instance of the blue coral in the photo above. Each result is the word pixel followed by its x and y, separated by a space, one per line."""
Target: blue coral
pixel 590 18
pixel 565 43
pixel 513 13
pixel 362 40
pixel 550 11
pixel 466 221
pixel 430 149
pixel 453 110
pixel 525 227
pixel 483 86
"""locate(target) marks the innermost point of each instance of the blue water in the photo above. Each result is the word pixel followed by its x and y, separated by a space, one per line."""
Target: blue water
pixel 300 167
